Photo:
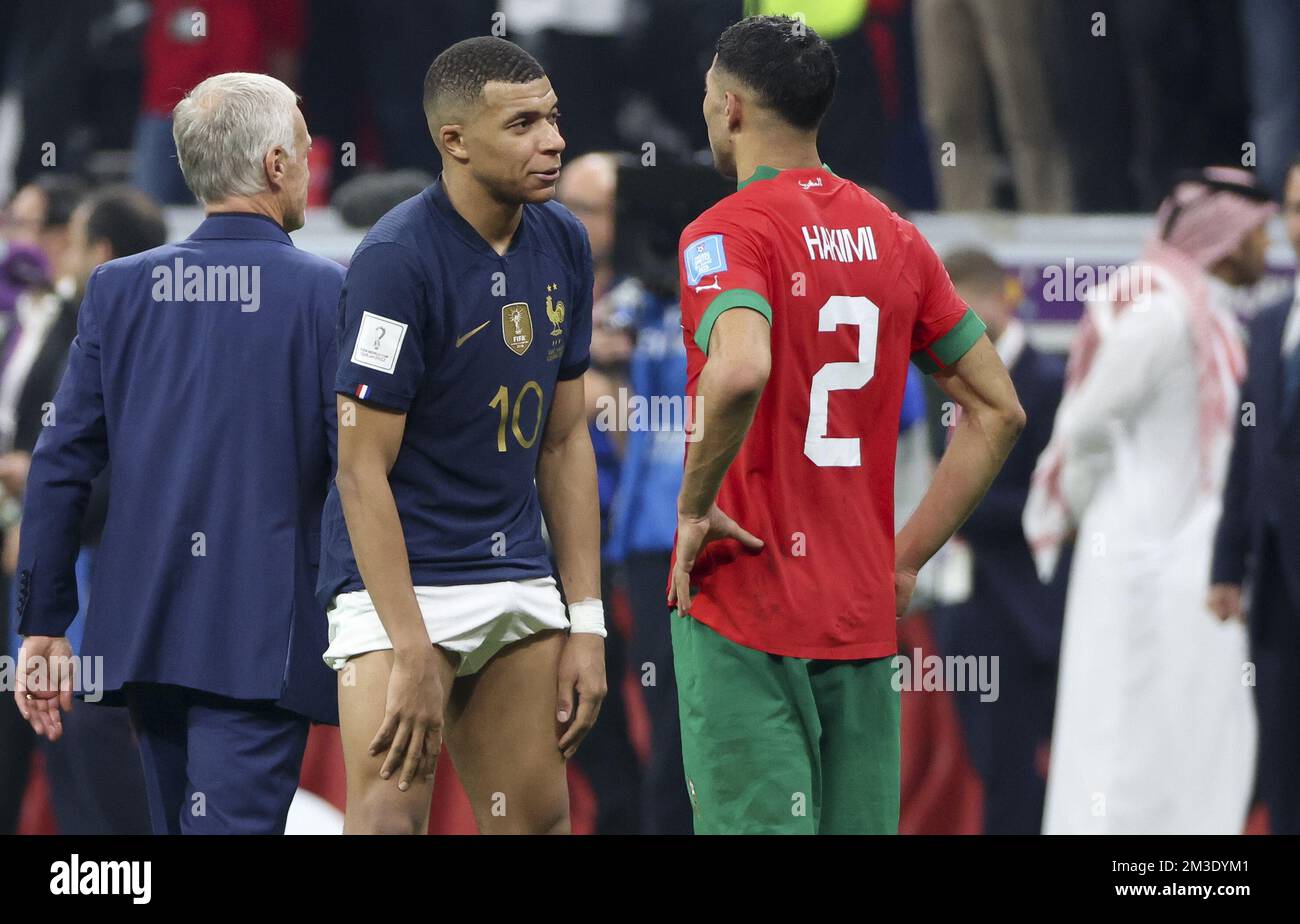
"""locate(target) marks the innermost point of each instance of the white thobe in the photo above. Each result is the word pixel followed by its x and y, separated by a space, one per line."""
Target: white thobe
pixel 1155 725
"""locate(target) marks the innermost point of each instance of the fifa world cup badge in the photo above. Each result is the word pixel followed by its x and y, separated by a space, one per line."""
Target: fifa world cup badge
pixel 517 327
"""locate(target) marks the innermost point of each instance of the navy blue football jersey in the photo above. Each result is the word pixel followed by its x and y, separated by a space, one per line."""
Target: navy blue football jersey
pixel 470 345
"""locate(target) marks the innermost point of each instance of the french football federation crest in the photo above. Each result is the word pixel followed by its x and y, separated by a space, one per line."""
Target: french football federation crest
pixel 554 311
pixel 517 327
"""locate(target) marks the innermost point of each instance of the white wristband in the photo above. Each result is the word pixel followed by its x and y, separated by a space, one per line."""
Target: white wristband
pixel 587 616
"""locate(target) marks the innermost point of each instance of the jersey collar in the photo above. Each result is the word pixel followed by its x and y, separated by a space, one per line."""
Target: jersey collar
pixel 766 173
pixel 441 203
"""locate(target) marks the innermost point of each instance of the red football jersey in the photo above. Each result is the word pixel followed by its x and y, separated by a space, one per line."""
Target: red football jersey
pixel 852 292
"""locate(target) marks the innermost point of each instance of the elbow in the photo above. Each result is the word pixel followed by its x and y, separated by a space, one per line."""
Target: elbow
pixel 1015 420
pixel 558 444
pixel 350 481
pixel 345 480
pixel 1003 423
pixel 737 383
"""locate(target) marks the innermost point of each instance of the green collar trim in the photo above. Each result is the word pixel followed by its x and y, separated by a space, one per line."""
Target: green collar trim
pixel 766 173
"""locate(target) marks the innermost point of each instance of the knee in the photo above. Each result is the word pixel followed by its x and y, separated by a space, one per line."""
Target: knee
pixel 548 815
pixel 384 816
pixel 552 818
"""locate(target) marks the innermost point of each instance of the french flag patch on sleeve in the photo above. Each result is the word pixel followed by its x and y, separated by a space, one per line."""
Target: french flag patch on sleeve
pixel 363 391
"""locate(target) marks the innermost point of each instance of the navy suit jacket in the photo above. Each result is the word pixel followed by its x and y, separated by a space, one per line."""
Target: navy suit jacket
pixel 1262 494
pixel 219 422
pixel 1010 610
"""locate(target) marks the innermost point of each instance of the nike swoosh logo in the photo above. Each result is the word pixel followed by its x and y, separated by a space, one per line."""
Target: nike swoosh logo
pixel 465 337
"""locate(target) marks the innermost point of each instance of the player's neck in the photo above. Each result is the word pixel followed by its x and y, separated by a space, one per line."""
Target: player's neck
pixel 494 220
pixel 794 154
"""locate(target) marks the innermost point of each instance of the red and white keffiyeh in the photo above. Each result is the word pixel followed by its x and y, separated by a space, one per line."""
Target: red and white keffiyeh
pixel 1203 220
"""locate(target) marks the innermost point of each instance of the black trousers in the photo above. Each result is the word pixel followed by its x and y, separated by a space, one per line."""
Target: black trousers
pixel 1275 649
pixel 606 756
pixel 1277 706
pixel 94 771
pixel 665 806
pixel 1006 738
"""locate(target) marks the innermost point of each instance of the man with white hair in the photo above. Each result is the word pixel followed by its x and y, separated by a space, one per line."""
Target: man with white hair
pixel 1154 730
pixel 203 371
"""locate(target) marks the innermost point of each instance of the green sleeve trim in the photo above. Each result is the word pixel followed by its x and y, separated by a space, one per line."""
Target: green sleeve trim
pixel 725 301
pixel 952 346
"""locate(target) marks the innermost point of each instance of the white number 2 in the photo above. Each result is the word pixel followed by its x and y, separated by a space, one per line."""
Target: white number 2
pixel 824 450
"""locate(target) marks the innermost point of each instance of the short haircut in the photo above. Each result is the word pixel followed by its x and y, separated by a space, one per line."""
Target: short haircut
pixel 975 268
pixel 789 66
pixel 223 129
pixel 127 218
pixel 62 191
pixel 457 76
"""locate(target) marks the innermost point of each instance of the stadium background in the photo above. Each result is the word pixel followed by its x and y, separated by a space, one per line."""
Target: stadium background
pixel 1167 85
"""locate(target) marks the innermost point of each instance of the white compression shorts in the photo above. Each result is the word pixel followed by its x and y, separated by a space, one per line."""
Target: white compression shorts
pixel 471 621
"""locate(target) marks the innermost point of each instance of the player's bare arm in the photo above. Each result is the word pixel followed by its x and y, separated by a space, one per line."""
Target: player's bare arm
pixel 411 732
pixel 566 488
pixel 991 420
pixel 731 384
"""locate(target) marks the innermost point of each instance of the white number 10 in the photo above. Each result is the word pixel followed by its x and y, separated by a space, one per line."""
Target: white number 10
pixel 824 450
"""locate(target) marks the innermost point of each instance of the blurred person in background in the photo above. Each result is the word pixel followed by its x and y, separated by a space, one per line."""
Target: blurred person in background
pixel 38 216
pixel 1185 69
pixel 1271 29
pixel 973 56
pixel 637 353
pixel 668 42
pixel 22 267
pixel 1258 540
pixel 1154 728
pixel 188 40
pixel 356 52
pixel 643 524
pixel 94 769
pixel 48 73
pixel 212 398
pixel 1009 615
pixel 851 138
pixel 37 224
pixel 583 40
pixel 1089 76
pixel 1147 90
pixel 587 188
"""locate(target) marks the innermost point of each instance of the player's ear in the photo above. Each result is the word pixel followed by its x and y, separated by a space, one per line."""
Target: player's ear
pixel 734 107
pixel 451 141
